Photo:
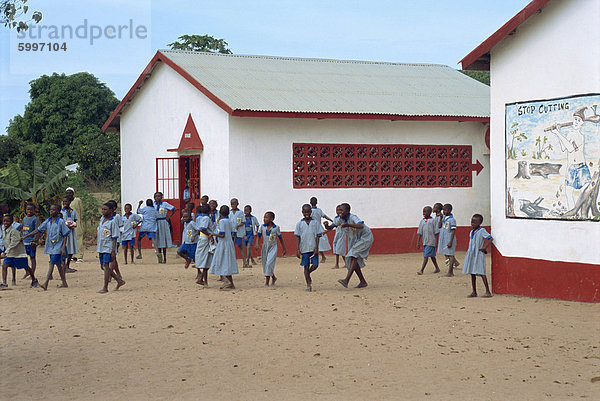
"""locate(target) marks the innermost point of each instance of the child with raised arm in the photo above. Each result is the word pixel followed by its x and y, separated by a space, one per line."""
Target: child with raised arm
pixel 163 232
pixel 339 241
pixel 479 241
pixel 447 238
pixel 318 214
pixel 360 240
pixel 57 232
pixel 427 234
pixel 107 236
pixel 130 223
pixel 148 226
pixel 307 232
pixel 236 217
pixel 16 257
pixel 204 250
pixel 30 223
pixel 251 226
pixel 269 232
pixel 187 250
pixel 70 217
pixel 224 263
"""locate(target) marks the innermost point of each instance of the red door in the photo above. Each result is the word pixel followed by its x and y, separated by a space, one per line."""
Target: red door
pixel 168 182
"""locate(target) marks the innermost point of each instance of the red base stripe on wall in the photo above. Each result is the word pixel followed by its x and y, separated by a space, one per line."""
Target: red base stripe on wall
pixel 545 278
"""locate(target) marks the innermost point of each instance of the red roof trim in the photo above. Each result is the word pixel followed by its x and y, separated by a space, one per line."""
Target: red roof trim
pixel 353 116
pixel 501 33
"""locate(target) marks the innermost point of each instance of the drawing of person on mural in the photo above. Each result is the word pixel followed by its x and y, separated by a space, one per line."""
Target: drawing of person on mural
pixel 572 141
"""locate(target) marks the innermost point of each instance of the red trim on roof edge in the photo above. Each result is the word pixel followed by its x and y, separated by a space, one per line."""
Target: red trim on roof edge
pixel 501 33
pixel 353 116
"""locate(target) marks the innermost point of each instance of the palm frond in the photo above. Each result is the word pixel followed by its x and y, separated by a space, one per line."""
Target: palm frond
pixel 8 191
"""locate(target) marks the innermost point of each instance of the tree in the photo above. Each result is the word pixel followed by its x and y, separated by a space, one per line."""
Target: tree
pixel 65 114
pixel 12 10
pixel 201 43
pixel 481 76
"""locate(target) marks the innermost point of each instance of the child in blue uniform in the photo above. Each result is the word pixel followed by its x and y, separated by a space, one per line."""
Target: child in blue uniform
pixel 269 232
pixel 70 218
pixel 307 232
pixel 30 223
pixel 447 238
pixel 250 228
pixel 479 241
pixel 204 251
pixel 339 241
pixel 427 234
pixel 163 231
pixel 55 243
pixel 187 250
pixel 16 257
pixel 107 235
pixel 224 263
pixel 148 226
pixel 236 217
pixel 318 214
pixel 130 222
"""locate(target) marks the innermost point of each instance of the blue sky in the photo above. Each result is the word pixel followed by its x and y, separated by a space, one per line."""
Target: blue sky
pixel 438 31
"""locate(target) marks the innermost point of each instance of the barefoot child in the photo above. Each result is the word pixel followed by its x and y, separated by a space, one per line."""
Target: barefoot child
pixel 307 232
pixel 148 226
pixel 130 222
pixel 224 263
pixel 30 223
pixel 251 226
pixel 57 232
pixel 339 241
pixel 107 235
pixel 479 241
pixel 360 240
pixel 163 232
pixel 70 217
pixel 269 232
pixel 236 217
pixel 187 250
pixel 318 214
pixel 427 234
pixel 204 247
pixel 447 238
pixel 16 257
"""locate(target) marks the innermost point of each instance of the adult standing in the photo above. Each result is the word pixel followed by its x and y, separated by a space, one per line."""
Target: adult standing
pixel 77 204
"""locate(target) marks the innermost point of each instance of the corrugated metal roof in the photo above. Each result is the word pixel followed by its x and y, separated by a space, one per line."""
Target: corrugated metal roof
pixel 282 84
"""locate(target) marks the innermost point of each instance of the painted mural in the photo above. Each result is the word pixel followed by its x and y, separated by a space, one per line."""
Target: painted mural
pixel 553 158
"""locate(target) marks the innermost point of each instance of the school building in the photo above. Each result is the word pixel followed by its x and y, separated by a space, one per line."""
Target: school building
pixel 388 138
pixel 545 80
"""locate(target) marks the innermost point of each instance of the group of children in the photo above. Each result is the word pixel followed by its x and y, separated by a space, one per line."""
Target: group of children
pixel 440 232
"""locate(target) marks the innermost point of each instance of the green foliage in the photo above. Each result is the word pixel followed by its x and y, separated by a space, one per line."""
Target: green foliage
pixel 516 135
pixel 64 120
pixel 11 12
pixel 542 148
pixel 481 76
pixel 200 43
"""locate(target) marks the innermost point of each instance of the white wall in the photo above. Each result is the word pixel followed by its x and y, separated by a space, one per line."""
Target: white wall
pixel 154 122
pixel 261 166
pixel 553 54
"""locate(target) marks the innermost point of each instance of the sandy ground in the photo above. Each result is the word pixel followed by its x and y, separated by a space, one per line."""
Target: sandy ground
pixel 405 337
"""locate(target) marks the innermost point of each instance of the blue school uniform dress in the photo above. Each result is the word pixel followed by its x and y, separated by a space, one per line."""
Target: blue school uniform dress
pixel 318 214
pixel 56 230
pixel 163 232
pixel 448 226
pixel 427 231
pixel 340 241
pixel 224 263
pixel 268 252
pixel 359 240
pixel 475 259
pixel 129 230
pixel 236 218
pixel 29 224
pixel 70 216
pixel 251 226
pixel 204 251
pixel 189 239
pixel 148 226
pixel 108 230
pixel 15 250
pixel 308 234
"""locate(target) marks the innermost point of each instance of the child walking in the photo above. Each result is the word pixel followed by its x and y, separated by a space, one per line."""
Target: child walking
pixel 204 246
pixel 30 223
pixel 224 263
pixel 307 232
pixel 16 257
pixel 187 250
pixel 269 232
pixel 339 241
pixel 148 226
pixel 427 234
pixel 163 232
pixel 70 217
pixel 360 240
pixel 479 241
pixel 447 238
pixel 318 214
pixel 130 222
pixel 251 226
pixel 107 235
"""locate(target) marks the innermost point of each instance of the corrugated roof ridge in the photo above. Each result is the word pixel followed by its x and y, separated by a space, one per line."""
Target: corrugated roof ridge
pixel 167 51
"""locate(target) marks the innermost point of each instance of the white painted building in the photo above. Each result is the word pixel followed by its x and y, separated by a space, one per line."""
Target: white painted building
pixel 547 54
pixel 387 138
